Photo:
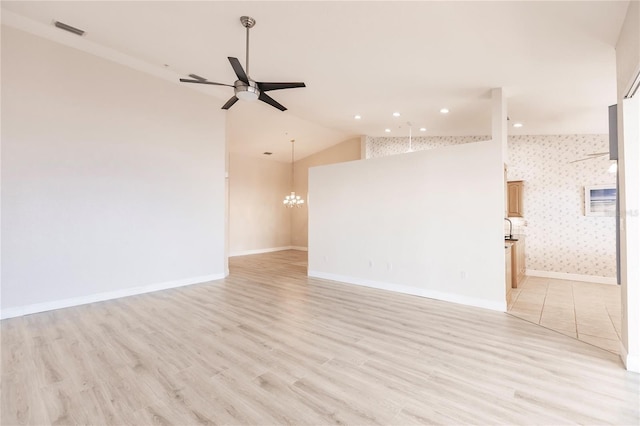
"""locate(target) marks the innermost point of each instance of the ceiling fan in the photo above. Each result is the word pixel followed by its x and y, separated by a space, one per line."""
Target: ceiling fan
pixel 591 156
pixel 244 87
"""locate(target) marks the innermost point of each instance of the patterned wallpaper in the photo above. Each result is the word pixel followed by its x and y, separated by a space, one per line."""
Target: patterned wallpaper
pixel 383 146
pixel 559 237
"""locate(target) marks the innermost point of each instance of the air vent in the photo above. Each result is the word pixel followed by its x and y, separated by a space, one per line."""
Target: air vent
pixel 197 77
pixel 267 153
pixel 69 28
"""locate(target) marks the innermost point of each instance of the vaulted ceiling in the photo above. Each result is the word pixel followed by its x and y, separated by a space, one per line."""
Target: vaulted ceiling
pixel 556 61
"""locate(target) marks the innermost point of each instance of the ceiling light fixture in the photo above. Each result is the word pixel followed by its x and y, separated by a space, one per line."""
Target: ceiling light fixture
pixel 387 130
pixel 292 200
pixel 444 111
pixel 357 117
pixel 423 129
pixel 396 114
pixel 410 147
pixel 517 125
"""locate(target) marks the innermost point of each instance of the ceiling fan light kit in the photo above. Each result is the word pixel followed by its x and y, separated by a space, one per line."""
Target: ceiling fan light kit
pixel 246 92
pixel 245 88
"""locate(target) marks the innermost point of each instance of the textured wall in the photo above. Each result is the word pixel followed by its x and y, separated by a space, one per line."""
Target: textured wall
pixel 559 237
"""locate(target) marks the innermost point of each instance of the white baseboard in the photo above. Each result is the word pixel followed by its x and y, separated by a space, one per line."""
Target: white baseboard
pixel 100 297
pixel 572 277
pixel 415 291
pixel 631 362
pixel 265 250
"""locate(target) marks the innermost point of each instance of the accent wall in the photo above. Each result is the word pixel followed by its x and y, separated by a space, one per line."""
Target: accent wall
pixel 560 238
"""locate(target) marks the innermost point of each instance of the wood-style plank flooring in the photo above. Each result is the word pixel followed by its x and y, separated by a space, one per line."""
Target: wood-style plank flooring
pixel 268 345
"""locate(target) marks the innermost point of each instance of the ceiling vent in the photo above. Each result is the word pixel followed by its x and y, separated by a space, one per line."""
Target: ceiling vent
pixel 267 153
pixel 68 28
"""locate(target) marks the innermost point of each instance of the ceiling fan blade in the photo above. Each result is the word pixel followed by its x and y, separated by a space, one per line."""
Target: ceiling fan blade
pixel 582 159
pixel 591 156
pixel 268 99
pixel 230 102
pixel 186 80
pixel 265 87
pixel 237 68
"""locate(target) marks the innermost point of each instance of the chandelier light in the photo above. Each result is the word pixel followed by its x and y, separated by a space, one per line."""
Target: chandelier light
pixel 292 200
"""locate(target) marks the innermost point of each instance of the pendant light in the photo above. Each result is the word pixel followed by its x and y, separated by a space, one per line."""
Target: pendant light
pixel 292 200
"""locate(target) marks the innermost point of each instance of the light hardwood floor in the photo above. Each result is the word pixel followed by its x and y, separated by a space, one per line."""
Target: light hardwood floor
pixel 270 346
pixel 585 311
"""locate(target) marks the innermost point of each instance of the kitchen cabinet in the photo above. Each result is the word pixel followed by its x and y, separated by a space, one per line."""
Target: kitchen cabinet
pixel 514 198
pixel 508 276
pixel 518 267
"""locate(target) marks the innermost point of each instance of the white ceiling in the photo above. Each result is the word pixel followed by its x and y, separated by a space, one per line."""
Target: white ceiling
pixel 556 61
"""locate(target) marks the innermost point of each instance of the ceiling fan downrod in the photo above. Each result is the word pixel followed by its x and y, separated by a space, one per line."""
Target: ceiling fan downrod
pixel 248 22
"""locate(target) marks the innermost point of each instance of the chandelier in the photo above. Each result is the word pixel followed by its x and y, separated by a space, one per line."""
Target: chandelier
pixel 292 200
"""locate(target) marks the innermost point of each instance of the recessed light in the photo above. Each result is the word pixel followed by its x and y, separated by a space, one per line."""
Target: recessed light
pixel 357 117
pixel 423 129
pixel 396 114
pixel 387 130
pixel 517 124
pixel 444 110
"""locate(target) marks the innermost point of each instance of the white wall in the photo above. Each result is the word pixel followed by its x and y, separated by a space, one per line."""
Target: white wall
pixel 348 150
pixel 113 180
pixel 258 221
pixel 426 223
pixel 628 66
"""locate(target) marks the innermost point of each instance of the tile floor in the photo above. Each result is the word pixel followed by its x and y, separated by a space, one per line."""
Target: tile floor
pixel 585 311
